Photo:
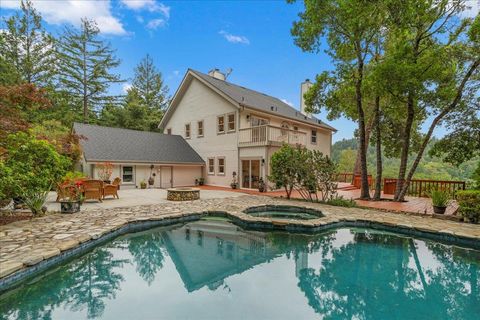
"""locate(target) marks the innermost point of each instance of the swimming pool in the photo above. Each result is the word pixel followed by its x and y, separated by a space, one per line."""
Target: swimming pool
pixel 284 212
pixel 213 269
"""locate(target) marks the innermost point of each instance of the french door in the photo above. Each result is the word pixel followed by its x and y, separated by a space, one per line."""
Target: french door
pixel 250 174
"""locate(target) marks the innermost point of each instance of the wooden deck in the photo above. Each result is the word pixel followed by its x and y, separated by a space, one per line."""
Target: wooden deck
pixel 411 205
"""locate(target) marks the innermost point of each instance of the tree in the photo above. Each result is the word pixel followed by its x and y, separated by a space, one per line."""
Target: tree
pixel 283 168
pixel 431 65
pixel 85 66
pixel 351 29
pixel 149 85
pixel 28 46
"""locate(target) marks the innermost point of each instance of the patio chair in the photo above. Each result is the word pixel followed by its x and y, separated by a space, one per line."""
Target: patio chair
pixel 112 189
pixel 93 189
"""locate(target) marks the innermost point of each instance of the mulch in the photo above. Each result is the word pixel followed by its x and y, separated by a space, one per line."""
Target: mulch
pixel 12 216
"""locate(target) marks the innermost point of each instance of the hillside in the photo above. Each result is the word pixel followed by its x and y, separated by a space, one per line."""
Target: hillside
pixel 344 153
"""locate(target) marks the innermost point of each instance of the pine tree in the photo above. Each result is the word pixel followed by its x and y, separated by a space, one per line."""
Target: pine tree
pixel 86 63
pixel 28 47
pixel 149 85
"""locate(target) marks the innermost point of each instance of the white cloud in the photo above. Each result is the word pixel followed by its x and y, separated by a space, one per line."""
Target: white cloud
pixel 234 38
pixel 72 11
pixel 150 5
pixel 156 23
pixel 287 102
pixel 126 87
pixel 472 9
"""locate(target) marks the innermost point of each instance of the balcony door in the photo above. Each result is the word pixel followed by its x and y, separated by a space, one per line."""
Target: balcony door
pixel 250 174
pixel 259 129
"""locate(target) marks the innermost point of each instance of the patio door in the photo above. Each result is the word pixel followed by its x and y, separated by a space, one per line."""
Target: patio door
pixel 166 177
pixel 250 174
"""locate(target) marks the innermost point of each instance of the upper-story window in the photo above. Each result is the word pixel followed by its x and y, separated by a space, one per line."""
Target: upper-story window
pixel 200 128
pixel 314 137
pixel 169 131
pixel 187 131
pixel 231 122
pixel 221 124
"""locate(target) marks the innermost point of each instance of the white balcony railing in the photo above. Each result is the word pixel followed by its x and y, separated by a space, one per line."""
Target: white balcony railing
pixel 269 135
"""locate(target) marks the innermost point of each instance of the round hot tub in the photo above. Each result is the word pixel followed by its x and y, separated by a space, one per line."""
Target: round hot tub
pixel 284 212
pixel 183 194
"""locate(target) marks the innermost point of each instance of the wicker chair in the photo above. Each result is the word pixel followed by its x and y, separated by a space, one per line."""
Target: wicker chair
pixel 112 189
pixel 93 189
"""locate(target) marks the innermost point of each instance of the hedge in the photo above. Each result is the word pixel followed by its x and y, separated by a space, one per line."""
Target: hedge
pixel 469 204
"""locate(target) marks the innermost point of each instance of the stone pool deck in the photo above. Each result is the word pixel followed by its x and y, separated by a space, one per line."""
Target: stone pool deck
pixel 24 245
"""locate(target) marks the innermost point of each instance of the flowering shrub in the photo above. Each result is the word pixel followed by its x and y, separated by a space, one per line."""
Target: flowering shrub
pixel 105 170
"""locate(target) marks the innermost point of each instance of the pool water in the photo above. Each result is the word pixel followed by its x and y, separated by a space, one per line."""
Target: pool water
pixel 212 269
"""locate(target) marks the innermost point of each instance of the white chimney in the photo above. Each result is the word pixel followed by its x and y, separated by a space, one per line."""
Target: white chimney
pixel 217 74
pixel 303 89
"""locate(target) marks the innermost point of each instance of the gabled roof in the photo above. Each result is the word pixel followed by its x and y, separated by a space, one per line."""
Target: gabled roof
pixel 124 145
pixel 244 97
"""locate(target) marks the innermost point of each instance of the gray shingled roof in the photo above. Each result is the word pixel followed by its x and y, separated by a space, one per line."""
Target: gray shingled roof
pixel 116 144
pixel 260 101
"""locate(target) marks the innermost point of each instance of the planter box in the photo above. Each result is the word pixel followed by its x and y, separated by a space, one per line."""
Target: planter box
pixel 69 206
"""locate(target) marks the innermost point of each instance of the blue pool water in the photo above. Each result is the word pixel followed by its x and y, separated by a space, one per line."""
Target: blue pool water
pixel 212 269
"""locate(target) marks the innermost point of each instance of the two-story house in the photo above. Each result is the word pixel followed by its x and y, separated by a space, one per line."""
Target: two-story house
pixel 236 130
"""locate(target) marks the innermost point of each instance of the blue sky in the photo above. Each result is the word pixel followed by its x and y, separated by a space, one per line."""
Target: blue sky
pixel 251 37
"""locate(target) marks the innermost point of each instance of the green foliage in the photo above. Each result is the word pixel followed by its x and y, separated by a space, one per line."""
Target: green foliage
pixel 85 66
pixel 283 168
pixel 469 204
pixel 73 175
pixel 148 84
pixel 28 46
pixel 340 201
pixel 476 177
pixel 309 172
pixel 32 167
pixel 440 198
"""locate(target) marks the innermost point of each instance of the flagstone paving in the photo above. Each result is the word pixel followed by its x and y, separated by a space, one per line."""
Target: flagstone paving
pixel 26 243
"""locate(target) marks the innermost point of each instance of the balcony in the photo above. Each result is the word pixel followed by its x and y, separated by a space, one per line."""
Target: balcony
pixel 267 135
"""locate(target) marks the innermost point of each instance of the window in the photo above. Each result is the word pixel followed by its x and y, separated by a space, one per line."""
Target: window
pixel 211 165
pixel 231 122
pixel 187 131
pixel 200 128
pixel 169 131
pixel 221 124
pixel 221 166
pixel 127 174
pixel 314 137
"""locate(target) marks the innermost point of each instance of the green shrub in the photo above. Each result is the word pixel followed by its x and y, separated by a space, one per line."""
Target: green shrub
pixel 340 201
pixel 469 204
pixel 31 167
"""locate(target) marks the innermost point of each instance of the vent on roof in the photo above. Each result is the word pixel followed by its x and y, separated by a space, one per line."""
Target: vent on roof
pixel 273 108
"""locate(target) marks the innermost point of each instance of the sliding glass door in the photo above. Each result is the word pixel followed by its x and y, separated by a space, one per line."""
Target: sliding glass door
pixel 250 174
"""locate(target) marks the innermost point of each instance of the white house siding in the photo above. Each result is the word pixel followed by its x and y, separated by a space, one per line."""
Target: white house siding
pixel 183 175
pixel 201 103
pixel 186 175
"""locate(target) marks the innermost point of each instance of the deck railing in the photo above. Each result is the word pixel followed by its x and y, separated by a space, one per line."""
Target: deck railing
pixel 416 188
pixel 270 135
pixel 421 187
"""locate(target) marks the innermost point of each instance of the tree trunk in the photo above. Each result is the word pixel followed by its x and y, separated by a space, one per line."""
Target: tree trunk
pixel 364 191
pixel 368 130
pixel 85 97
pixel 405 146
pixel 378 144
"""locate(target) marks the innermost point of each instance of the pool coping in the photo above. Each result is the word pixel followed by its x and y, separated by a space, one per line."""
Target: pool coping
pixel 242 220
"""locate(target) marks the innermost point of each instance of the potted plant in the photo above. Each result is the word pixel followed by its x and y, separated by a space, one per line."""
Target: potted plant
pixel 151 180
pixel 201 181
pixel 261 185
pixel 105 171
pixel 440 200
pixel 234 183
pixel 196 182
pixel 74 197
pixel 143 184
